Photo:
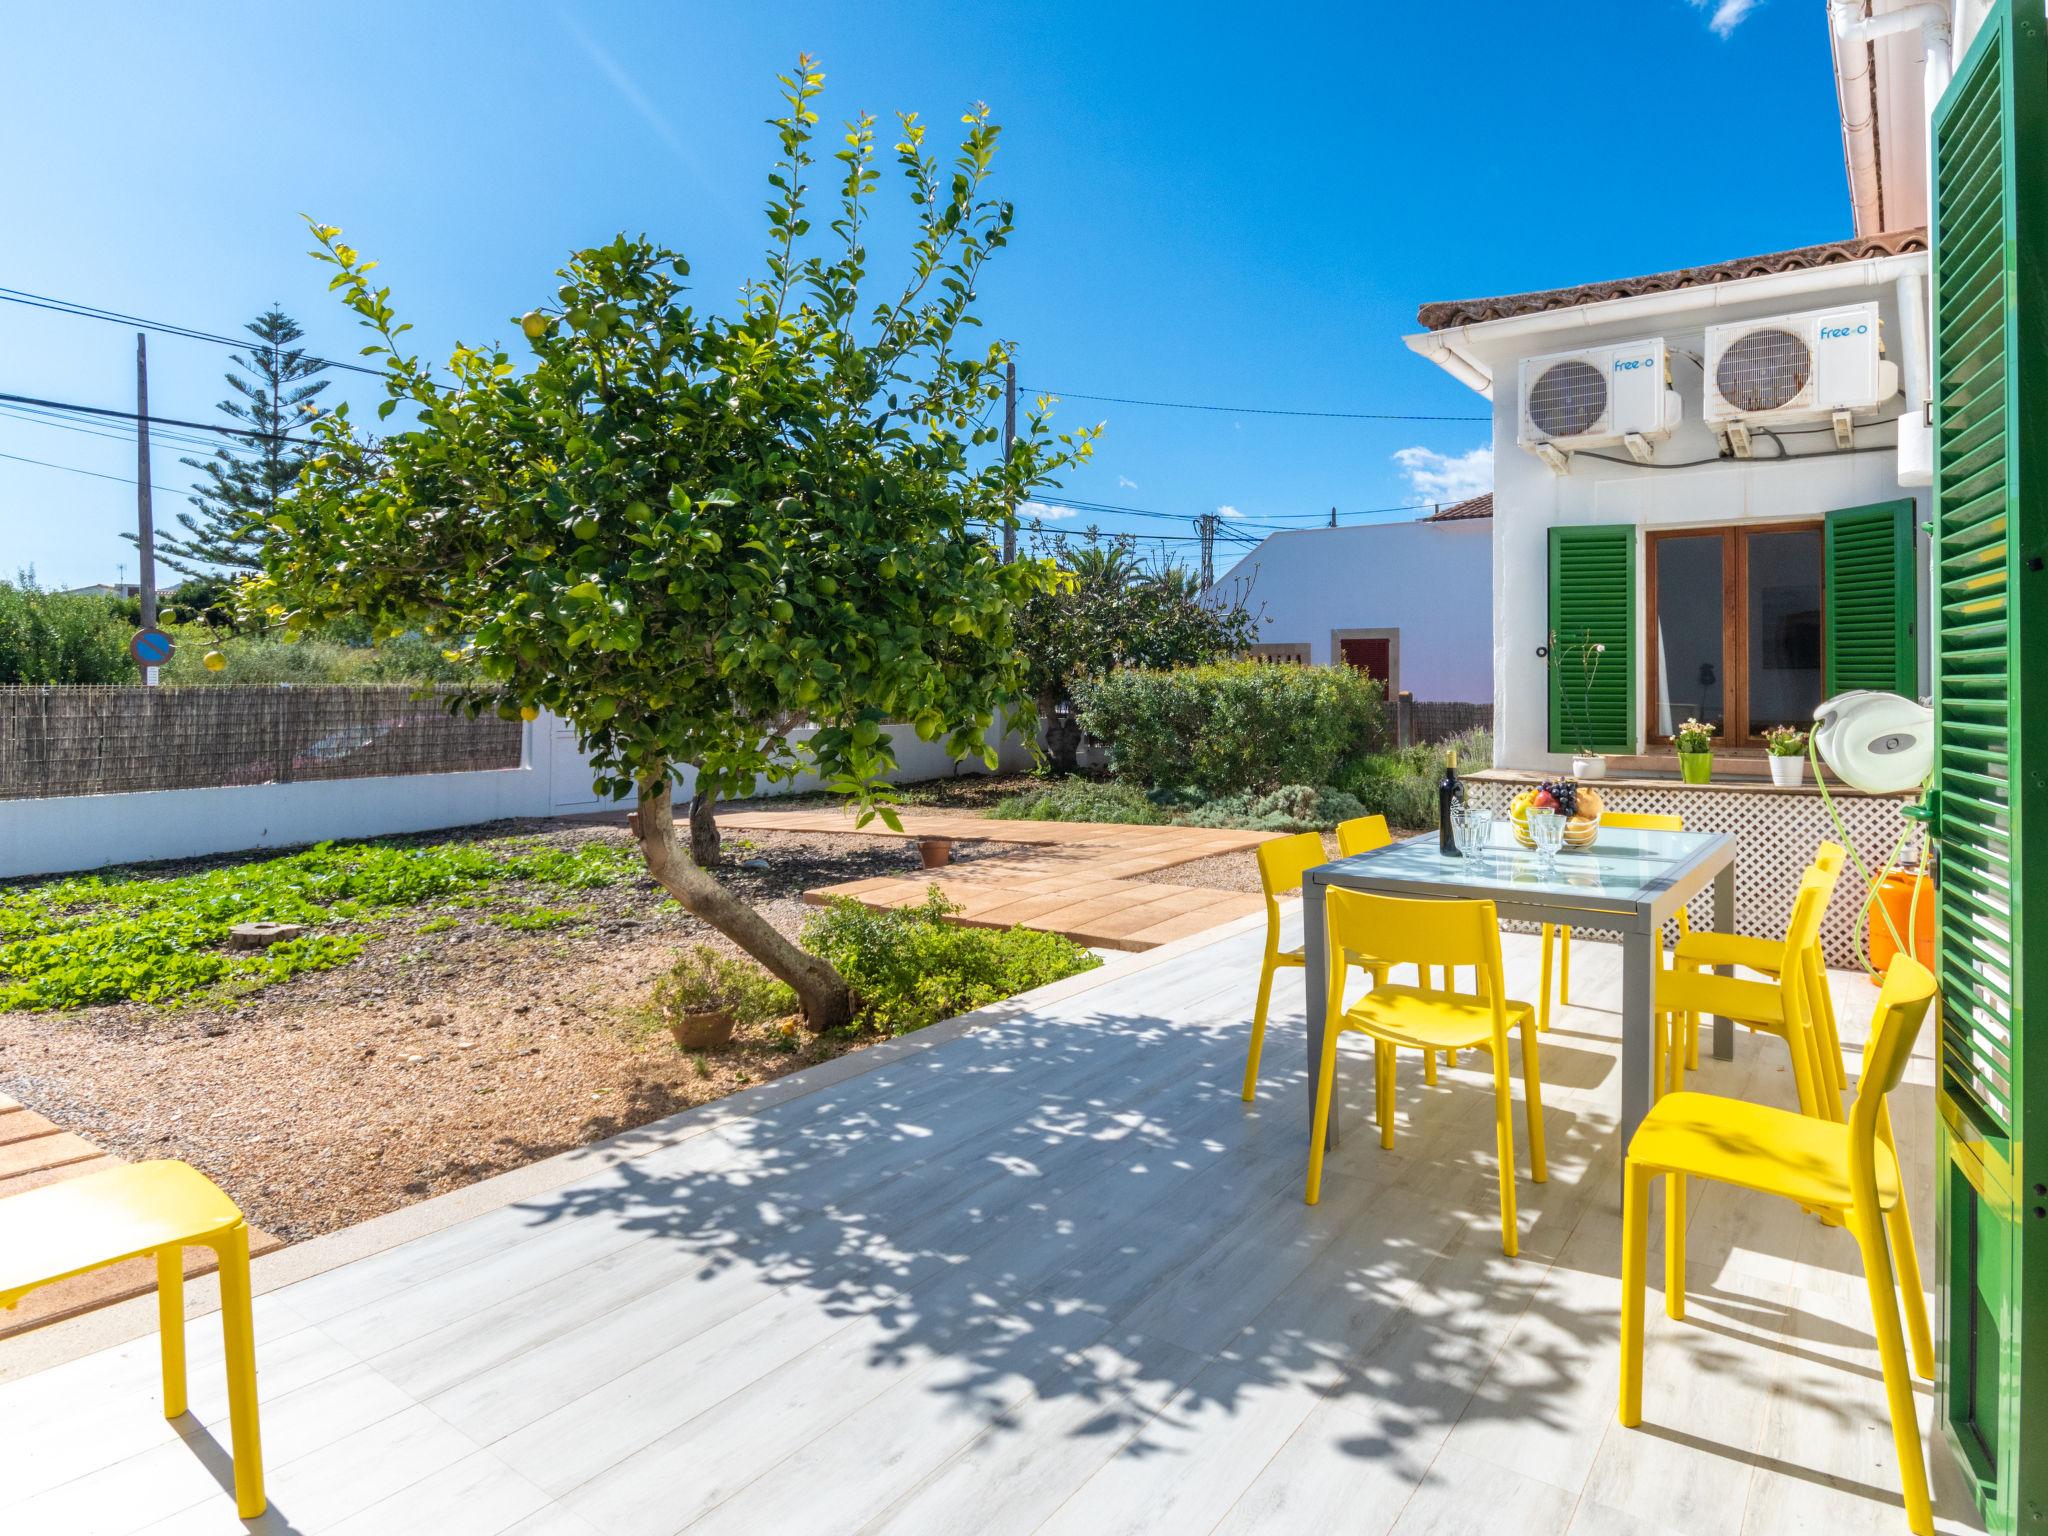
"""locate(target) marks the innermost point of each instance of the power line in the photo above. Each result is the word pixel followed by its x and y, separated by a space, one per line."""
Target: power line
pixel 1255 410
pixel 73 469
pixel 36 418
pixel 163 327
pixel 169 421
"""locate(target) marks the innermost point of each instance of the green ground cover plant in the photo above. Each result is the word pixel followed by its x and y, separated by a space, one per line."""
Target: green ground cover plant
pixel 126 938
pixel 909 967
pixel 1079 799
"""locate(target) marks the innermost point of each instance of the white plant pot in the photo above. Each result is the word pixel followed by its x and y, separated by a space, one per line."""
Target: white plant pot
pixel 1788 771
pixel 1589 766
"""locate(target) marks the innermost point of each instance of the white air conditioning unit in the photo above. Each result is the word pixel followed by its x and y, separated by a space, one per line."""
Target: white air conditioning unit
pixel 1823 365
pixel 1597 396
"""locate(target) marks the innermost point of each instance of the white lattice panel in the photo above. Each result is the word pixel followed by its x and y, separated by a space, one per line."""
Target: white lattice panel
pixel 1775 835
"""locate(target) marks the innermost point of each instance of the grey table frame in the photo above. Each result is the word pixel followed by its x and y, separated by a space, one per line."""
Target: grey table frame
pixel 1639 922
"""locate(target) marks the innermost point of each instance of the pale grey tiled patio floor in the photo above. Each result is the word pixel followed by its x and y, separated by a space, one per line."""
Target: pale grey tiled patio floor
pixel 1051 1275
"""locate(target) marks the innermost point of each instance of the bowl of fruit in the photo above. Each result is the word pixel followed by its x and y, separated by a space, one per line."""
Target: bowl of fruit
pixel 1579 804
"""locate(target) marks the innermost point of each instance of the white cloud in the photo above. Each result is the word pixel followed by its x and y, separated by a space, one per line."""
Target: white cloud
pixel 1045 511
pixel 1126 483
pixel 1228 512
pixel 1726 15
pixel 1434 476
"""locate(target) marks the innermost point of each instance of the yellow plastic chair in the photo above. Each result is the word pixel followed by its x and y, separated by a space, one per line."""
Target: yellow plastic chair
pixel 1850 1170
pixel 157 1208
pixel 1282 862
pixel 1430 933
pixel 1621 821
pixel 1788 1006
pixel 1362 834
pixel 1765 956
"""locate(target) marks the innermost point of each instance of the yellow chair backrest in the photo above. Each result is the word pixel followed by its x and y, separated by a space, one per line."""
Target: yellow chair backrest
pixel 1362 834
pixel 1901 1008
pixel 1830 856
pixel 1816 887
pixel 1284 860
pixel 1400 929
pixel 1642 821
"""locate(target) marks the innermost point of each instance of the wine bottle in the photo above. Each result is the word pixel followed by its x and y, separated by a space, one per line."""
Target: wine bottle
pixel 1450 792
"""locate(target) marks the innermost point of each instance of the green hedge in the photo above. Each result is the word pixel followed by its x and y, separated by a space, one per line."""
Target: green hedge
pixel 1235 728
pixel 58 637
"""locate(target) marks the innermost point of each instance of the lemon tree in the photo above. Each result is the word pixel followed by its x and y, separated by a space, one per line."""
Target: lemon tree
pixel 690 532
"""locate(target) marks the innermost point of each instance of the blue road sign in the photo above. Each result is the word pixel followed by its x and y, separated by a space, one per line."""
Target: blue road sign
pixel 151 647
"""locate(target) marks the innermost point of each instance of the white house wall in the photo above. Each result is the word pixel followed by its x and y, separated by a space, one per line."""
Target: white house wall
pixel 1427 581
pixel 1528 499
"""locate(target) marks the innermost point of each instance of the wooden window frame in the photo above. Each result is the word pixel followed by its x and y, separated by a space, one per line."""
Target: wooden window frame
pixel 1735 731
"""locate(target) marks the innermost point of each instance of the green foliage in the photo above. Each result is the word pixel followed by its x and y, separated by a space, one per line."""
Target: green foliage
pixel 538 919
pixel 95 939
pixel 57 637
pixel 1113 612
pixel 1078 799
pixel 686 532
pixel 705 980
pixel 247 477
pixel 1401 784
pixel 1290 808
pixel 1241 727
pixel 909 967
pixel 255 660
pixel 438 925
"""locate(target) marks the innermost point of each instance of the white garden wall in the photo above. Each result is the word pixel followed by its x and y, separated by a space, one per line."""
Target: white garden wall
pixel 84 832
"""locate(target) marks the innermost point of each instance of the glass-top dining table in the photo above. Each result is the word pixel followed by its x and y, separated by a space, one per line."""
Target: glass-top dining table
pixel 1628 881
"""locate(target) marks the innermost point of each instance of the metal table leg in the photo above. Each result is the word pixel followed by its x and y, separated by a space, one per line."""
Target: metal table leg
pixel 1639 962
pixel 1315 985
pixel 1724 922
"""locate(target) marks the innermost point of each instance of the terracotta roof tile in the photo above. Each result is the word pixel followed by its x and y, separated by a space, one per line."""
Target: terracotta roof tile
pixel 1460 511
pixel 1436 317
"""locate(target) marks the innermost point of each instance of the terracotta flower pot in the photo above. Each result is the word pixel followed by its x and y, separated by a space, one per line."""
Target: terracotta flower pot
pixel 935 852
pixel 702 1031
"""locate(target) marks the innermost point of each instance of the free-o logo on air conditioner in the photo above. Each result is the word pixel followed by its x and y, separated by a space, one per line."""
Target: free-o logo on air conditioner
pixel 1842 332
pixel 1631 364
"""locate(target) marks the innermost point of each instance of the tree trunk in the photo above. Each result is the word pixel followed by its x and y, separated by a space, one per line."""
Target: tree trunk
pixel 827 1000
pixel 704 846
pixel 1062 736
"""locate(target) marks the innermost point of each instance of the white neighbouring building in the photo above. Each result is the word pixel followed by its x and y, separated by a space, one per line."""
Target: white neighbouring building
pixel 1408 602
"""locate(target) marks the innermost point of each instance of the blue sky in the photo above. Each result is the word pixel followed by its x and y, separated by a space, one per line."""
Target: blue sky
pixel 1226 204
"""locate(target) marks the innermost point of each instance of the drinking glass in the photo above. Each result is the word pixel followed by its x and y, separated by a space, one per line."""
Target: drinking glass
pixel 1479 826
pixel 1547 828
pixel 1461 829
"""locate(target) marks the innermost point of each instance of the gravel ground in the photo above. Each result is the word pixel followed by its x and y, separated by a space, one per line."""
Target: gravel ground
pixel 434 1059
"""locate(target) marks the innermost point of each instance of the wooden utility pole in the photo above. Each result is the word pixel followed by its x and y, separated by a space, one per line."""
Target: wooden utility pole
pixel 145 519
pixel 1009 438
pixel 1206 524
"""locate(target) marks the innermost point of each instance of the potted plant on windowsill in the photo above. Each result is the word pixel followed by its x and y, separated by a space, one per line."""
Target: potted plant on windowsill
pixel 1695 743
pixel 1577 663
pixel 1786 745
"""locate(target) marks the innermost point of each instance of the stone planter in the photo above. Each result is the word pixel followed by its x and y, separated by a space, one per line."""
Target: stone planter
pixel 1589 765
pixel 1696 767
pixel 702 1031
pixel 1788 771
pixel 935 852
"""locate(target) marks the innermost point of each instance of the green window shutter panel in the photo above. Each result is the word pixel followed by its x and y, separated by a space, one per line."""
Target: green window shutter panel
pixel 1593 598
pixel 1872 599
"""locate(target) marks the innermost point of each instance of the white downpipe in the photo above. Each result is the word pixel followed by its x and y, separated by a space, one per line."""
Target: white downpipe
pixel 1442 348
pixel 1916 432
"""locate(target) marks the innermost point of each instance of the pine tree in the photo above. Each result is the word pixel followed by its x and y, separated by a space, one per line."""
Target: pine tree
pixel 246 477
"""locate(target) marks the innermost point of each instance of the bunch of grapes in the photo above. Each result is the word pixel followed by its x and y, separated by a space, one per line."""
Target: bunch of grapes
pixel 1565 792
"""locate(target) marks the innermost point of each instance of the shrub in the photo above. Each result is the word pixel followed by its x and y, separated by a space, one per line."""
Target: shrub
pixel 1078 799
pixel 1236 727
pixel 259 660
pixel 1290 808
pixel 909 967
pixel 1401 785
pixel 59 637
pixel 704 980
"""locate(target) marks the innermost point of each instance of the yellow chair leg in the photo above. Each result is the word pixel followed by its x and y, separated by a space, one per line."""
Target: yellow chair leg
pixel 1692 1042
pixel 1564 971
pixel 1899 1228
pixel 1383 1090
pixel 1429 1068
pixel 1898 1384
pixel 1450 1058
pixel 1251 1064
pixel 1504 1135
pixel 1674 1245
pixel 170 1315
pixel 1532 1088
pixel 1325 1082
pixel 1635 1261
pixel 239 1335
pixel 1543 990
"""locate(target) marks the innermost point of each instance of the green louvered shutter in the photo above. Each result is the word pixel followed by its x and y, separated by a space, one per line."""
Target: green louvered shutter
pixel 1593 598
pixel 1871 600
pixel 1990 647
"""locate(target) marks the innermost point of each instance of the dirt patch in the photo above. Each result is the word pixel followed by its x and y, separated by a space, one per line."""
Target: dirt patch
pixel 437 1057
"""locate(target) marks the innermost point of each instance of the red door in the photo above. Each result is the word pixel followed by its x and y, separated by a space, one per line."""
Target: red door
pixel 1373 657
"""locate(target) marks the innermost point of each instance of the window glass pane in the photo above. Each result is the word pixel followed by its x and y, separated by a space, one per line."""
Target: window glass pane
pixel 1784 628
pixel 1689 604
